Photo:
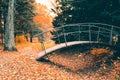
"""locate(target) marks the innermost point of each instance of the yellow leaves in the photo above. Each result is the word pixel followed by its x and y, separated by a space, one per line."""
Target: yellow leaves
pixel 20 39
pixel 99 51
pixel 115 39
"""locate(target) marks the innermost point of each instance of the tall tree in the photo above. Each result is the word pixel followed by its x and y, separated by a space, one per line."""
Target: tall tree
pixel 24 15
pixel 9 28
pixel 43 18
pixel 3 11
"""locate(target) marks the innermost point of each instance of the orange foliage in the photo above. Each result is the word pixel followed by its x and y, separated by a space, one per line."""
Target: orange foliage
pixel 20 39
pixel 43 19
pixel 98 51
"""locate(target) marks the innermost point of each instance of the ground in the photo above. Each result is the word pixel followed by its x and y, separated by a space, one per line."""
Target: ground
pixel 22 65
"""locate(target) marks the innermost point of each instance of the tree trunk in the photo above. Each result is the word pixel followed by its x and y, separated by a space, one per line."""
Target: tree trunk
pixel 31 36
pixel 31 39
pixel 9 29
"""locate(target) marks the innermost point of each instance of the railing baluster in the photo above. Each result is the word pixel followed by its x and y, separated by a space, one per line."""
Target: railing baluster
pixel 79 32
pixel 64 36
pixel 42 43
pixel 110 42
pixel 58 37
pixel 98 34
pixel 43 47
pixel 89 33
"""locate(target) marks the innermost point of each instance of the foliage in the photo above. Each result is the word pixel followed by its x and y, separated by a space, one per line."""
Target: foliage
pixel 81 11
pixel 23 14
pixel 99 51
pixel 104 11
pixel 20 39
pixel 43 18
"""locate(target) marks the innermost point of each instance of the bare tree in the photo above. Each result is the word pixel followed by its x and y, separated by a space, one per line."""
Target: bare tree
pixel 9 28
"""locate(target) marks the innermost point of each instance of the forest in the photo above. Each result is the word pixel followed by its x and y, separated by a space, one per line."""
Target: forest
pixel 59 40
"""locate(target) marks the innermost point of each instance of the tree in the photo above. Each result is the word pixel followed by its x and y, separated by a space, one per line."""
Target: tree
pixel 9 28
pixel 3 12
pixel 81 11
pixel 24 13
pixel 24 18
pixel 43 18
pixel 105 11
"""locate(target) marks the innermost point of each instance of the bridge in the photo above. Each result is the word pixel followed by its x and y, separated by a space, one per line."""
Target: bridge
pixel 80 33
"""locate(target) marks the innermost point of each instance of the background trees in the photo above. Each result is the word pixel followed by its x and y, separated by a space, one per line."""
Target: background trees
pixel 23 14
pixel 23 17
pixel 81 11
pixel 43 17
pixel 104 11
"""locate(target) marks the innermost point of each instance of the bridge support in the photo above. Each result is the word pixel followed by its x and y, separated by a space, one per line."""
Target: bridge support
pixel 98 34
pixel 65 36
pixel 79 33
pixel 58 37
pixel 43 47
pixel 111 35
pixel 89 33
pixel 41 40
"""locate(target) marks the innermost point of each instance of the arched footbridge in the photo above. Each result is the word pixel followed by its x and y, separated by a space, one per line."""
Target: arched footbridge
pixel 80 33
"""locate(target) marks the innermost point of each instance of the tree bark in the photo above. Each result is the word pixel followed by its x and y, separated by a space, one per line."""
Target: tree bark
pixel 9 29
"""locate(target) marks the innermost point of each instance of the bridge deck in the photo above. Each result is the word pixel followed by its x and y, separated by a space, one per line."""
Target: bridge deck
pixel 62 45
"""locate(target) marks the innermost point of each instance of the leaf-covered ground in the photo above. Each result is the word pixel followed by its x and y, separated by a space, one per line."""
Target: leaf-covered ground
pixel 22 65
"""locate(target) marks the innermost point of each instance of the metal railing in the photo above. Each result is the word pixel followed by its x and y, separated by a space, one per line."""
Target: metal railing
pixel 102 33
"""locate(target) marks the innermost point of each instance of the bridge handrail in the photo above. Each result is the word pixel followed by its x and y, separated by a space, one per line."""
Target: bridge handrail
pixel 77 32
pixel 90 25
pixel 78 24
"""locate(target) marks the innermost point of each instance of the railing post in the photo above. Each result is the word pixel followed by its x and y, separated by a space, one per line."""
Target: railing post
pixel 89 33
pixel 110 42
pixel 41 40
pixel 58 37
pixel 2 37
pixel 79 33
pixel 64 36
pixel 98 34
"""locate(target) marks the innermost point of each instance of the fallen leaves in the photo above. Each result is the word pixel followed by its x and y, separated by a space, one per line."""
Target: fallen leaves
pixel 99 51
pixel 22 65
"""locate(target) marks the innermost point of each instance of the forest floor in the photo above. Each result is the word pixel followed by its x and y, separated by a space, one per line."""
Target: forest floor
pixel 22 65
